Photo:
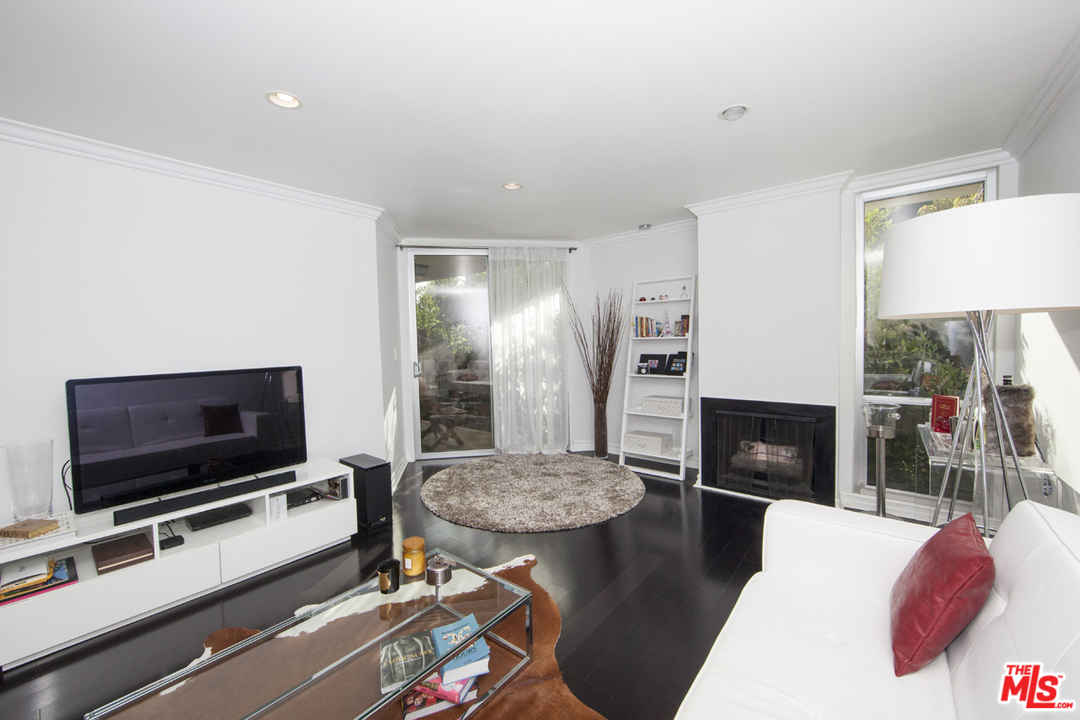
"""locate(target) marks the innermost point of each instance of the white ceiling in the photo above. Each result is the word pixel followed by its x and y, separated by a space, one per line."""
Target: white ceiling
pixel 606 112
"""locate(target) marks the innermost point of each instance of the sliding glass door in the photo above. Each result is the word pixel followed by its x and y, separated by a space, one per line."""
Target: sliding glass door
pixel 451 353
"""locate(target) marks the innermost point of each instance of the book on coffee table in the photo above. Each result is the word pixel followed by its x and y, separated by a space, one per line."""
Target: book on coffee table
pixel 471 661
pixel 454 692
pixel 402 659
pixel 416 704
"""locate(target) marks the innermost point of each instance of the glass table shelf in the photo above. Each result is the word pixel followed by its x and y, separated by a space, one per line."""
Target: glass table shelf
pixel 325 661
pixel 1041 482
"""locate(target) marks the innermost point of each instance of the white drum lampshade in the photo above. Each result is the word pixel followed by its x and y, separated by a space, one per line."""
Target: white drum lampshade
pixel 1011 256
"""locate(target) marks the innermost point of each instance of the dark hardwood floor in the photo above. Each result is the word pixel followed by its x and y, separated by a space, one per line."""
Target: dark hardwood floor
pixel 642 597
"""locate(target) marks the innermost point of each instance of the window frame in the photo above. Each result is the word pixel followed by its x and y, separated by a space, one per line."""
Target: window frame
pixel 903 502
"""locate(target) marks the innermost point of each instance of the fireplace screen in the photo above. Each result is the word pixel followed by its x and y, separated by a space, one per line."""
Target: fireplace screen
pixel 769 449
pixel 765 455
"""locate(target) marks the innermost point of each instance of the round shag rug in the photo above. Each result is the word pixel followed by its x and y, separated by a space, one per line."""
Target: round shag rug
pixel 532 493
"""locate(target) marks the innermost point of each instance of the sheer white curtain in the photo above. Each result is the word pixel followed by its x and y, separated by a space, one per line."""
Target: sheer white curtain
pixel 528 383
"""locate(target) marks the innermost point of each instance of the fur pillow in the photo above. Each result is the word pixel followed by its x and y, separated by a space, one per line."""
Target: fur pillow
pixel 1018 402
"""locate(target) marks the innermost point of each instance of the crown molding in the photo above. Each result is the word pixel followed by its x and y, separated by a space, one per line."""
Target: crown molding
pixel 390 227
pixel 780 192
pixel 930 170
pixel 680 226
pixel 475 244
pixel 45 139
pixel 1060 82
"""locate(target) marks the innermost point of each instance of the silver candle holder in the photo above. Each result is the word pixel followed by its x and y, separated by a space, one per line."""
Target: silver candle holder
pixel 438 574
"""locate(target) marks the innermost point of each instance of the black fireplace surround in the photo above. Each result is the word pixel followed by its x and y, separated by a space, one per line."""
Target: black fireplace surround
pixel 769 449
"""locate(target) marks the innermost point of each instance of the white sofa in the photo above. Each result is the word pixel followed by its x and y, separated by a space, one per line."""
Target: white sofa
pixel 810 634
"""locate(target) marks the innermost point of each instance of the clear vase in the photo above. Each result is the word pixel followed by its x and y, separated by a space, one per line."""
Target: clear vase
pixel 30 474
pixel 600 430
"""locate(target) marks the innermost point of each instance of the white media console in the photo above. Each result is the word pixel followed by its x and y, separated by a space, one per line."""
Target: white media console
pixel 208 560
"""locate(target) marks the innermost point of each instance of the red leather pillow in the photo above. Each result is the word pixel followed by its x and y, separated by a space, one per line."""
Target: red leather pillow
pixel 942 588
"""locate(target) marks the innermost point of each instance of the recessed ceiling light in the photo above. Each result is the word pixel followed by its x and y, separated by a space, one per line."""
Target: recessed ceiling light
pixel 644 226
pixel 734 112
pixel 512 186
pixel 284 100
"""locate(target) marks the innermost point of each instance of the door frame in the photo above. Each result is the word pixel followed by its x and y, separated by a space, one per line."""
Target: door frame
pixel 413 358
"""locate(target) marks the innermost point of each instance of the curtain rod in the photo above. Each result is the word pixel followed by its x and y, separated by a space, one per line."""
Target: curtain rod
pixel 476 247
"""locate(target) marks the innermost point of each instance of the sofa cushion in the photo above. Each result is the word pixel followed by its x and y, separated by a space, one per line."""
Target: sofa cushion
pixel 798 648
pixel 1031 615
pixel 168 421
pixel 221 420
pixel 104 430
pixel 943 587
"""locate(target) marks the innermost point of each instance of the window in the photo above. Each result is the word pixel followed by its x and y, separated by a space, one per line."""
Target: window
pixel 907 362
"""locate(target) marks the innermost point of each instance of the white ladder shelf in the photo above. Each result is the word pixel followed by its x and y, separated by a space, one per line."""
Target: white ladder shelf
pixel 652 412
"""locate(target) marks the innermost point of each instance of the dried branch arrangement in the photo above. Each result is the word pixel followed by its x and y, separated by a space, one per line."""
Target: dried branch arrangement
pixel 600 348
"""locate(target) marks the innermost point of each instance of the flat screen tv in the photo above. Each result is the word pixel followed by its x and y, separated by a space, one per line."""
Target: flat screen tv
pixel 140 437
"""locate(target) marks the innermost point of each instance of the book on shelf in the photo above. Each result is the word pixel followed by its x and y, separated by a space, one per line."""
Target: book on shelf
pixel 645 327
pixel 417 705
pixel 453 692
pixel 471 661
pixel 122 552
pixel 26 529
pixel 402 659
pixel 62 572
pixel 24 573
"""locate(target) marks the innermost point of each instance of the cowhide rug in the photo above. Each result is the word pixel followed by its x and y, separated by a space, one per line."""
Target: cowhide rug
pixel 537 692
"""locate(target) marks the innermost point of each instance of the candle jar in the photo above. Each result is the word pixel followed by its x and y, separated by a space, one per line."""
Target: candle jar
pixel 413 556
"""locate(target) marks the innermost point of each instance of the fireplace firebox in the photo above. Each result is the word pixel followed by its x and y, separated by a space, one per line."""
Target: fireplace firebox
pixel 768 449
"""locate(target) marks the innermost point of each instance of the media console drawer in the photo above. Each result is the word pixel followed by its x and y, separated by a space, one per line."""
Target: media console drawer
pixel 322 523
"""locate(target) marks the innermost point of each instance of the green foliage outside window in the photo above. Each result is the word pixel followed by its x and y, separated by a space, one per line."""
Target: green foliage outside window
pixel 908 357
pixel 440 321
pixel 433 327
pixel 914 354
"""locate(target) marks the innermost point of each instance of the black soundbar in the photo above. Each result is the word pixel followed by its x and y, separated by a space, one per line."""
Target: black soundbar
pixel 161 507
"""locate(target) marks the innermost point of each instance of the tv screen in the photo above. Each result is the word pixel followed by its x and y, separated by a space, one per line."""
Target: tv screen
pixel 139 437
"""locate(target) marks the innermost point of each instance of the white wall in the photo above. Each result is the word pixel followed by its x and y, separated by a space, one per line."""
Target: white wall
pixel 1050 342
pixel 617 262
pixel 769 279
pixel 394 396
pixel 109 269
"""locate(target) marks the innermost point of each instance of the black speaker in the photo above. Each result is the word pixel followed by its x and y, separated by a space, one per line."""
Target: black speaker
pixel 371 487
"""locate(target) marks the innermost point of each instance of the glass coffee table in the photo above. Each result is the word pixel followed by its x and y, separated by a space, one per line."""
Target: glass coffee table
pixel 325 662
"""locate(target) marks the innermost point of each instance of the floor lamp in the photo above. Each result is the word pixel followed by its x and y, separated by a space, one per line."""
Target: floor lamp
pixel 1010 256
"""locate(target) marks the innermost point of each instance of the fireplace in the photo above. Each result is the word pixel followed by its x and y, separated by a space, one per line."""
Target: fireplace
pixel 769 450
